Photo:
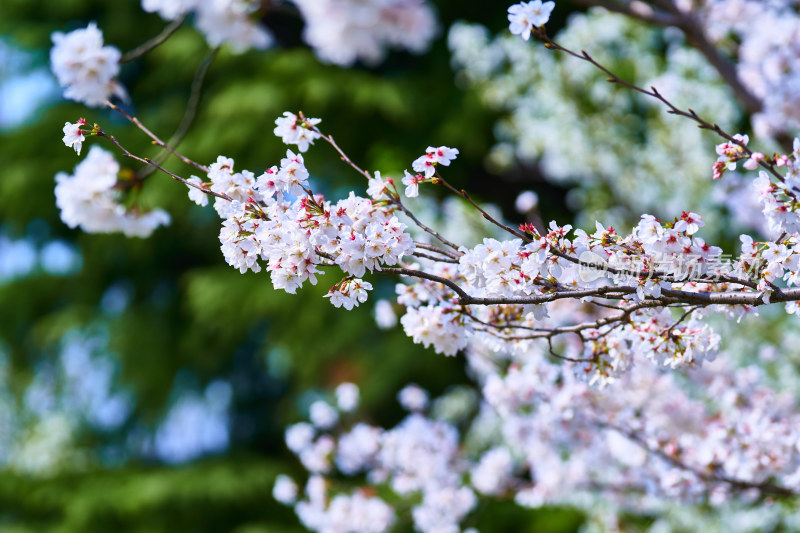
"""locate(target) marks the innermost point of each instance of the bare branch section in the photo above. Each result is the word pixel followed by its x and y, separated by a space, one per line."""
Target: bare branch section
pixel 463 194
pixel 670 15
pixel 150 162
pixel 155 42
pixel 767 163
pixel 329 139
pixel 189 114
pixel 156 140
pixel 426 228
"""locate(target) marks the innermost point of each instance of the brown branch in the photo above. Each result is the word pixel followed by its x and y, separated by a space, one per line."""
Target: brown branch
pixel 155 42
pixel 438 259
pixel 189 114
pixel 148 161
pixel 463 194
pixel 668 296
pixel 329 139
pixel 767 164
pixel 542 333
pixel 396 200
pixel 431 248
pixel 463 296
pixel 156 140
pixel 694 35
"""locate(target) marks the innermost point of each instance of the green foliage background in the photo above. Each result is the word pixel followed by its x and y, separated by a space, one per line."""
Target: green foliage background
pixel 191 319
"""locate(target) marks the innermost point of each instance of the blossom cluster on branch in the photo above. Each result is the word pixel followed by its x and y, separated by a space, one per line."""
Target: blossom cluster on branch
pixel 599 371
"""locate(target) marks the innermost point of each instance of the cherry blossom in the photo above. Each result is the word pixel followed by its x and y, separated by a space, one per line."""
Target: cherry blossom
pixel 74 135
pixel 221 21
pixel 426 164
pixel 528 15
pixel 412 184
pixel 85 68
pixel 344 31
pixel 285 490
pixel 294 130
pixel 347 395
pixel 88 199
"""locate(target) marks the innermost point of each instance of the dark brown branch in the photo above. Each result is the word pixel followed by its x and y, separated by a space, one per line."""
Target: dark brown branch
pixel 430 277
pixel 694 35
pixel 668 296
pixel 156 140
pixel 155 42
pixel 188 115
pixel 438 259
pixel 148 161
pixel 767 164
pixel 541 333
pixel 396 200
pixel 463 194
pixel 343 156
pixel 442 251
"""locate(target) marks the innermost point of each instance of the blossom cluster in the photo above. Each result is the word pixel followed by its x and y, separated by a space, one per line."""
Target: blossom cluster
pixel 778 194
pixel 419 458
pixel 339 31
pixel 275 218
pixel 344 31
pixel 425 166
pixel 526 16
pixel 295 130
pixel 85 68
pixel 543 436
pixel 222 21
pixel 645 262
pixel 89 199
pixel 680 435
pixel 767 36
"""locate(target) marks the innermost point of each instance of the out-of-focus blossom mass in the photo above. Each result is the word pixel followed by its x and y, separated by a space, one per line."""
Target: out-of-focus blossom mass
pixel 88 199
pixel 85 68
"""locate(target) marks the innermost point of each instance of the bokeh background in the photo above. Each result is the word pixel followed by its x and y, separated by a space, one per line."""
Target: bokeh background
pixel 144 384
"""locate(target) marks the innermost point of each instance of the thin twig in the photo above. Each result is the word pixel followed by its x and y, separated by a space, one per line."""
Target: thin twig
pixel 438 259
pixel 431 248
pixel 396 200
pixel 343 156
pixel 463 194
pixel 156 140
pixel 189 114
pixel 653 93
pixel 463 296
pixel 694 35
pixel 148 161
pixel 155 42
